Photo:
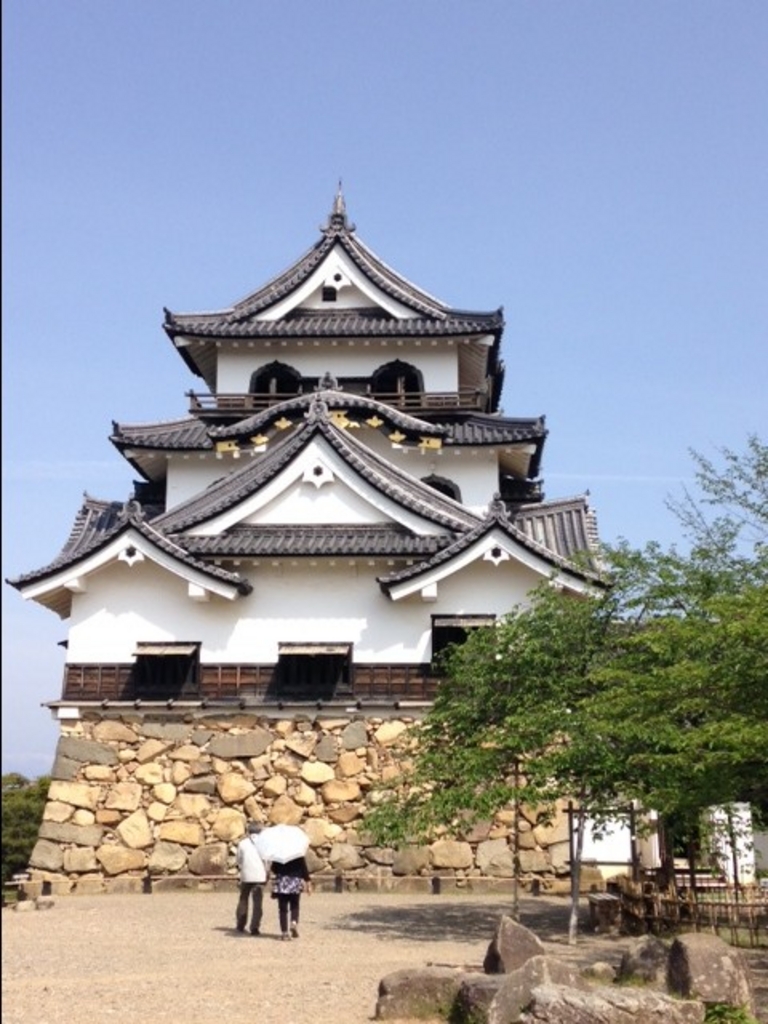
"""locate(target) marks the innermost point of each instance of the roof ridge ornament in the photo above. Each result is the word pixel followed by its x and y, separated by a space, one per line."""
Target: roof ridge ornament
pixel 337 221
pixel 327 383
pixel 498 510
pixel 318 409
pixel 131 512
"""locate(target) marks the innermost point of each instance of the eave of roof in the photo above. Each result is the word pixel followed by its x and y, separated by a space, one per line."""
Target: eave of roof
pixel 396 485
pixel 334 400
pixel 497 520
pixel 100 523
pixel 239 320
pixel 297 541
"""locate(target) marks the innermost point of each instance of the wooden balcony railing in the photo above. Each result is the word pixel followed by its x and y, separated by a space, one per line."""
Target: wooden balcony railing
pixel 256 683
pixel 232 405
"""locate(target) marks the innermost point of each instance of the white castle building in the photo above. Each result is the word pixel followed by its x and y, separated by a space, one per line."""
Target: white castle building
pixel 342 499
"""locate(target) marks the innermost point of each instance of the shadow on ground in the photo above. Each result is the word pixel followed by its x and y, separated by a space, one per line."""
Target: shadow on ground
pixel 426 921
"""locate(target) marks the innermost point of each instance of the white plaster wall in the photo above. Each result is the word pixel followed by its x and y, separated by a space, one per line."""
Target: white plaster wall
pixel 611 848
pixel 738 819
pixel 761 852
pixel 190 474
pixel 332 504
pixel 321 603
pixel 474 470
pixel 313 358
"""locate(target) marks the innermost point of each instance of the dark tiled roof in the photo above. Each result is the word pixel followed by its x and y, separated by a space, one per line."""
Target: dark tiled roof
pixel 100 522
pixel 340 400
pixel 319 541
pixel 562 530
pixel 482 430
pixel 566 525
pixel 187 434
pixel 240 319
pixel 381 474
pixel 191 434
pixel 341 323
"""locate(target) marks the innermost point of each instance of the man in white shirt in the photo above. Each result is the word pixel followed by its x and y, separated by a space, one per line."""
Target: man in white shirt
pixel 253 878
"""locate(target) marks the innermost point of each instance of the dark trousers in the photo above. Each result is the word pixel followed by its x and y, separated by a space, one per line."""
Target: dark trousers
pixel 288 909
pixel 256 891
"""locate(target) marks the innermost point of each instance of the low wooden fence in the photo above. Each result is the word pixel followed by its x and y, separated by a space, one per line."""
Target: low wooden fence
pixel 740 916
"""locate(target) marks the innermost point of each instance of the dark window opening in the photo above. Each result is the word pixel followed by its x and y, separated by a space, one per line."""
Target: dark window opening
pixel 276 379
pixel 453 630
pixel 312 672
pixel 166 671
pixel 443 485
pixel 397 379
pixel 329 293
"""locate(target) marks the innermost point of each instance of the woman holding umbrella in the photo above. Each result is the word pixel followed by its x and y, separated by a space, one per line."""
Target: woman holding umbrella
pixel 284 847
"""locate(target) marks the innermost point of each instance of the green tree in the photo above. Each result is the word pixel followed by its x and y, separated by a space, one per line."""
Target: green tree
pixel 23 804
pixel 508 727
pixel 685 694
pixel 653 689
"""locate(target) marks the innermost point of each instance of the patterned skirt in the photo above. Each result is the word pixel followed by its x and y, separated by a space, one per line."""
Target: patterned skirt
pixel 286 885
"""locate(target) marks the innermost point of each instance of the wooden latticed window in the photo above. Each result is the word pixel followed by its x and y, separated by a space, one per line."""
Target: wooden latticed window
pixel 448 630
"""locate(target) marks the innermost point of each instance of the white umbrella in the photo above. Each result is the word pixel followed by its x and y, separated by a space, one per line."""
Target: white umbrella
pixel 282 843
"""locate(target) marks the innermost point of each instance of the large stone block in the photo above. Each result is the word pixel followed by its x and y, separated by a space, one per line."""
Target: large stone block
pixel 79 794
pixel 354 735
pixel 514 994
pixel 411 993
pixel 124 796
pixel 188 833
pixel 166 857
pixel 451 853
pixel 209 860
pixel 81 835
pixel 135 830
pixel 118 859
pixel 241 746
pixel 511 946
pixel 234 788
pixel 410 860
pixel 113 731
pixel 559 1004
pixel 47 856
pixel 702 966
pixel 86 751
pixel 494 857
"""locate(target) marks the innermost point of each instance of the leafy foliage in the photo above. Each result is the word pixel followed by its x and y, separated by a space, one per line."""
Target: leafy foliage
pixel 652 689
pixel 23 804
pixel 723 1013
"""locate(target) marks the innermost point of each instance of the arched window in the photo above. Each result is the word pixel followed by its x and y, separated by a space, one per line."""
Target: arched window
pixel 397 381
pixel 443 485
pixel 275 379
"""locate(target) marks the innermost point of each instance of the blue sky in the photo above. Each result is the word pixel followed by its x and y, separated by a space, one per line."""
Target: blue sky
pixel 598 168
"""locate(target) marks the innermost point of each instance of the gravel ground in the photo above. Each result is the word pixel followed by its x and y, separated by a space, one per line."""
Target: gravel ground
pixel 176 957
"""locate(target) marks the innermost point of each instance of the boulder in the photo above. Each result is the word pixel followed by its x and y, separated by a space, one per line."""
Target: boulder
pixel 645 962
pixel 426 993
pixel 511 946
pixel 517 987
pixel 558 1004
pixel 702 966
pixel 476 995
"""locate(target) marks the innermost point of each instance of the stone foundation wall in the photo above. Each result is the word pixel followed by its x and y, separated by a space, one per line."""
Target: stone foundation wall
pixel 136 804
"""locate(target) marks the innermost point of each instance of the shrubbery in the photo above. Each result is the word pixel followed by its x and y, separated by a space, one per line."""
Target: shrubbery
pixel 23 804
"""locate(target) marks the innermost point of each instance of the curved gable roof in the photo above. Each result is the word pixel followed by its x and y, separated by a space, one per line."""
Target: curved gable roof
pixel 560 555
pixel 99 524
pixel 392 482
